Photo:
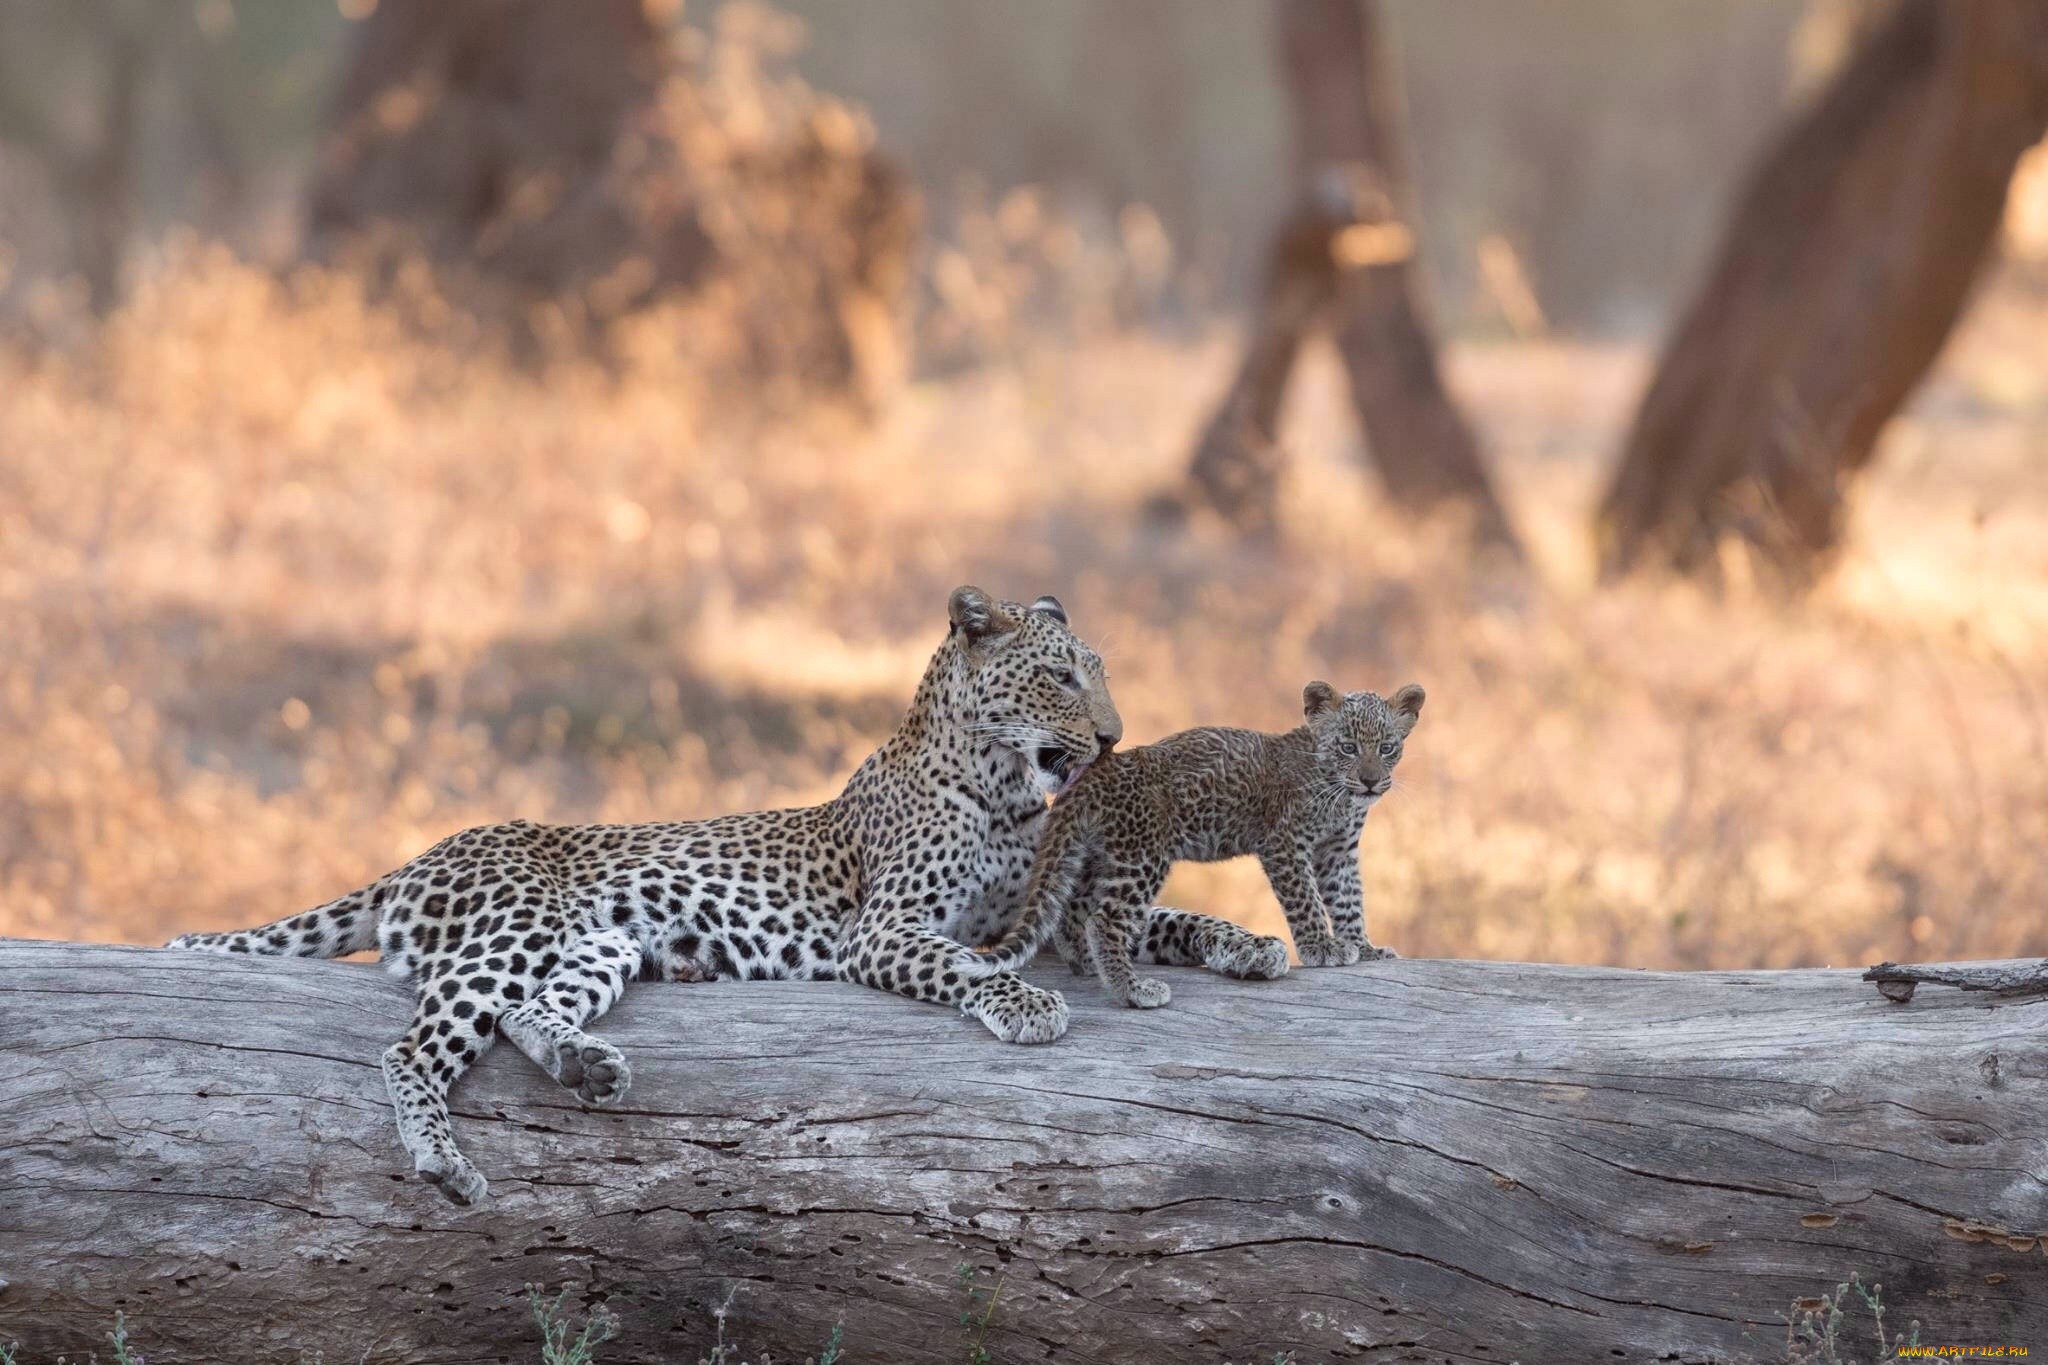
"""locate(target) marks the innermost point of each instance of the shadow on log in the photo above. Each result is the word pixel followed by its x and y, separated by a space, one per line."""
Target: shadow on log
pixel 1415 1160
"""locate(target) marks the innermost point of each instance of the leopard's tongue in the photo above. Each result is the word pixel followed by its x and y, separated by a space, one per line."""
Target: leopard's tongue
pixel 1073 776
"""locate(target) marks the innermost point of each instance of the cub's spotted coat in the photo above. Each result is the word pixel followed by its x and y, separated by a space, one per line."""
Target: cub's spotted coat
pixel 1298 801
pixel 533 931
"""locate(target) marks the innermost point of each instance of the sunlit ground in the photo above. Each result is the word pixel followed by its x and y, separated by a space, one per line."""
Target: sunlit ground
pixel 285 597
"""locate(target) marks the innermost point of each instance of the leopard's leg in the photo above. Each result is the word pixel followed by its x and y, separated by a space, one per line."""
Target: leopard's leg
pixel 1122 902
pixel 891 951
pixel 1183 938
pixel 1291 874
pixel 1072 941
pixel 448 1033
pixel 548 1025
pixel 1344 896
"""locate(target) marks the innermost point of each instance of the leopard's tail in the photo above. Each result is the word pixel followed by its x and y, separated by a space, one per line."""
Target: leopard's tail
pixel 345 925
pixel 1055 879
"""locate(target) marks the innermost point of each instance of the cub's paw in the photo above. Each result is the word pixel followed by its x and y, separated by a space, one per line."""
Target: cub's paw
pixel 1148 993
pixel 454 1177
pixel 1253 958
pixel 1327 952
pixel 594 1069
pixel 1016 1012
pixel 1375 953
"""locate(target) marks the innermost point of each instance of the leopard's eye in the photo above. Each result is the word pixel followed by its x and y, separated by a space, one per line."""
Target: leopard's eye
pixel 1064 677
pixel 1347 748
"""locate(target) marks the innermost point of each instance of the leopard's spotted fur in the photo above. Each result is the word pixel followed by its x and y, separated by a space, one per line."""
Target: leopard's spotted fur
pixel 1298 801
pixel 533 931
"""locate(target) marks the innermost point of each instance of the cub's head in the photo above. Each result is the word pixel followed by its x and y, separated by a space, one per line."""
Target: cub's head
pixel 1358 735
pixel 1033 686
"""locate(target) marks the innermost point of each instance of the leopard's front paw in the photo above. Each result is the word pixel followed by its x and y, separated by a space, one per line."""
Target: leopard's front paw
pixel 1267 958
pixel 1326 952
pixel 1258 957
pixel 1015 1011
pixel 1374 953
pixel 454 1177
pixel 1148 993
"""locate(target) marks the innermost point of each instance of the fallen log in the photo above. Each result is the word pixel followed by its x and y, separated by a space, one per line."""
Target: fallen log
pixel 1413 1160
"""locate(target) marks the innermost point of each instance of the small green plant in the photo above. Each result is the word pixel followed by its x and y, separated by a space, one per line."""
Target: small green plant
pixel 721 1354
pixel 557 1347
pixel 119 1338
pixel 7 1350
pixel 1813 1331
pixel 981 1309
pixel 829 1357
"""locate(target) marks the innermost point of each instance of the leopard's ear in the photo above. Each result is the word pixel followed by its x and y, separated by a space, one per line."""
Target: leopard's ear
pixel 1317 698
pixel 1407 702
pixel 1050 605
pixel 975 614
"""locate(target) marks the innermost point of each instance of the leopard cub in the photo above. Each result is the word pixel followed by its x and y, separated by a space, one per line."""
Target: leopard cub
pixel 1297 801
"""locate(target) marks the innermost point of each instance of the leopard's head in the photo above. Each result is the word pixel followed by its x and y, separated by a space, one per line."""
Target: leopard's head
pixel 1033 686
pixel 1358 736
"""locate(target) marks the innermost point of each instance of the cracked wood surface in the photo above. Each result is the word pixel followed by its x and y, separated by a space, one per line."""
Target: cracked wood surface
pixel 1407 1161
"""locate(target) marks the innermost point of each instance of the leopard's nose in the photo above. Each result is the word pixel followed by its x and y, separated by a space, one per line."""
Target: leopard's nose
pixel 1107 740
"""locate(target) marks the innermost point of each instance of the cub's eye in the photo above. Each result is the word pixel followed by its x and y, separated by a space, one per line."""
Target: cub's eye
pixel 1347 748
pixel 1389 747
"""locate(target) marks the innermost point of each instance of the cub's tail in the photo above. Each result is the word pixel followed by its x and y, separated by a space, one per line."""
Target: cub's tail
pixel 1055 878
pixel 346 925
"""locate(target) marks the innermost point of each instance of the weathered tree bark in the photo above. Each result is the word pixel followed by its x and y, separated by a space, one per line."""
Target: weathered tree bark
pixel 1413 1161
pixel 1345 260
pixel 568 158
pixel 1845 265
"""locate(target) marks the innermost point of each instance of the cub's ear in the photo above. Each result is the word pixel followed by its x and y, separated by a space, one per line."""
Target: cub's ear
pixel 1317 698
pixel 975 614
pixel 1050 605
pixel 1407 701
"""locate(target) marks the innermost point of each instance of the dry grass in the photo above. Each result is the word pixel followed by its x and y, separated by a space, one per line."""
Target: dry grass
pixel 287 595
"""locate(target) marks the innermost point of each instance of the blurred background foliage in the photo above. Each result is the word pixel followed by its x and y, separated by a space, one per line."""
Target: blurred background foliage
pixel 375 462
pixel 1593 134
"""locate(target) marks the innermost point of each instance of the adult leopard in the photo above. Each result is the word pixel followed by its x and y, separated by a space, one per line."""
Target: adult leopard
pixel 533 931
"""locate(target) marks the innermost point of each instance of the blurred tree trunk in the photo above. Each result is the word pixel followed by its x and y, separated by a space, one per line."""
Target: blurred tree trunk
pixel 95 169
pixel 570 155
pixel 105 177
pixel 1345 260
pixel 1828 34
pixel 1846 263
